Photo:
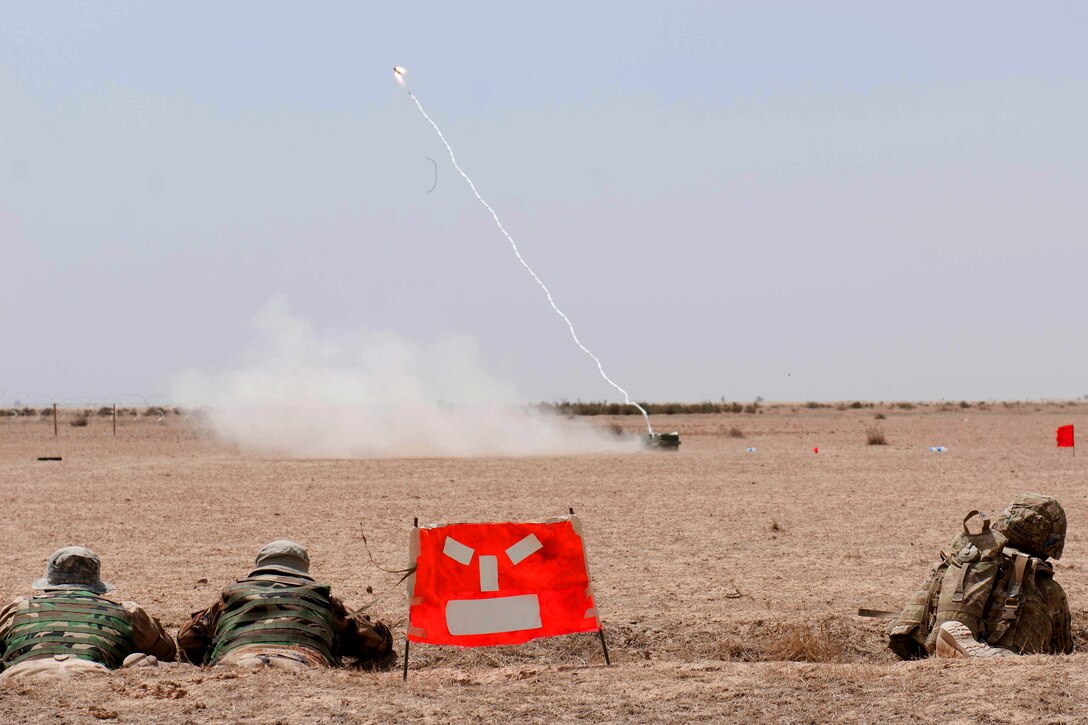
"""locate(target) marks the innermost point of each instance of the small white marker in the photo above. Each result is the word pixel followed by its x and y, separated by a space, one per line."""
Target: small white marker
pixel 489 574
pixel 527 546
pixel 457 551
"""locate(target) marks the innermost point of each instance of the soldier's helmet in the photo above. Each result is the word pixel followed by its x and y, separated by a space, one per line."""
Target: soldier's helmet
pixel 73 567
pixel 1035 524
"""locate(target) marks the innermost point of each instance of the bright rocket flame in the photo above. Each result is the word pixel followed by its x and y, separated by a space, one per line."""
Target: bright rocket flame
pixel 398 73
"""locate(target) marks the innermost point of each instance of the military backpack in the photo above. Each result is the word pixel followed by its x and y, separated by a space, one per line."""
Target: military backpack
pixel 76 623
pixel 267 609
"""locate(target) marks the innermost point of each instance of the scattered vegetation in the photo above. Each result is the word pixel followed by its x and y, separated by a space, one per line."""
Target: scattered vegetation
pixel 80 422
pixel 105 411
pixel 880 416
pixel 578 407
pixel 735 432
pixel 905 406
pixel 826 640
pixel 874 436
pixel 813 404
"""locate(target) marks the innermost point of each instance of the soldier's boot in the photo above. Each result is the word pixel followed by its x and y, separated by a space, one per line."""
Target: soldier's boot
pixel 955 640
pixel 55 666
pixel 139 659
pixel 261 660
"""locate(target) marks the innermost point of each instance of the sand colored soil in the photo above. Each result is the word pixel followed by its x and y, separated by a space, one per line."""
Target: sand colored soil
pixel 728 581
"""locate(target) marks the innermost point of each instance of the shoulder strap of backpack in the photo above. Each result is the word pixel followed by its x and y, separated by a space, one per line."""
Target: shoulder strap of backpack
pixel 1010 611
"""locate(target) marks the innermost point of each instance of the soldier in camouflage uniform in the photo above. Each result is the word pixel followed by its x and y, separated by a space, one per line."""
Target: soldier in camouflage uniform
pixel 994 594
pixel 279 616
pixel 71 628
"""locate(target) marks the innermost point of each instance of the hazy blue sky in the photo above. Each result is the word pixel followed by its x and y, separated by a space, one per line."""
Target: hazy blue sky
pixel 796 200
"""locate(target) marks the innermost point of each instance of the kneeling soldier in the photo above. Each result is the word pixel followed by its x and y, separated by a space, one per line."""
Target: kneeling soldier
pixel 70 627
pixel 279 616
pixel 993 593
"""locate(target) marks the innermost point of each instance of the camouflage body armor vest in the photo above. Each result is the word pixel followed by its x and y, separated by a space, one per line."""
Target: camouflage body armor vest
pixel 1006 598
pixel 276 610
pixel 77 623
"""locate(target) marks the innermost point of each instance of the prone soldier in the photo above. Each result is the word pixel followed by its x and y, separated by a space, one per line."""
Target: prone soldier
pixel 71 628
pixel 279 616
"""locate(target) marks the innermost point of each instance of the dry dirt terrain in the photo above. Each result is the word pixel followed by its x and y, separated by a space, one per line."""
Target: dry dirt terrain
pixel 728 581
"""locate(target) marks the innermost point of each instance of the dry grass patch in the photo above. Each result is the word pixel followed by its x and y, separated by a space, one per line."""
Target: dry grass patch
pixel 874 436
pixel 826 638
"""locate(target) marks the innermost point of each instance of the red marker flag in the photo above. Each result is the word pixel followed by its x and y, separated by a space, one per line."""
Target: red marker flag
pixel 1065 436
pixel 502 583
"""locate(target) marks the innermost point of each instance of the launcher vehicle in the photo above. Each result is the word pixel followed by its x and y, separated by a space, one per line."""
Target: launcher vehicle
pixel 669 441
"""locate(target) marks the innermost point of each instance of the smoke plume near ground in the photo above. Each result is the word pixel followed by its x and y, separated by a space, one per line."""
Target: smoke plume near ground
pixel 309 393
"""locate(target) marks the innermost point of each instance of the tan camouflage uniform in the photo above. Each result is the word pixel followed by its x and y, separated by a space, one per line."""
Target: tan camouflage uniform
pixel 279 616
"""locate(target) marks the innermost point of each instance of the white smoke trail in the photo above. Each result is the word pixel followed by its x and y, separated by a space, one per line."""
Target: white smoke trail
pixel 398 73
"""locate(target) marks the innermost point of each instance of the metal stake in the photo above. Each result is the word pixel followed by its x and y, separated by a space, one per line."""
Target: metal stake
pixel 600 630
pixel 415 524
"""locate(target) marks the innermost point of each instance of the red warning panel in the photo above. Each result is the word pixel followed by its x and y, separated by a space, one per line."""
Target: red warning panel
pixel 502 583
pixel 1065 436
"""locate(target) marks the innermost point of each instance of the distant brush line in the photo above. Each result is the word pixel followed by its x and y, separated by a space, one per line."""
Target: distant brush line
pixel 592 407
pixel 514 246
pixel 20 398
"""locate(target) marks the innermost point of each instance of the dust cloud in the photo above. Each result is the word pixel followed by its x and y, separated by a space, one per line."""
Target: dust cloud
pixel 307 393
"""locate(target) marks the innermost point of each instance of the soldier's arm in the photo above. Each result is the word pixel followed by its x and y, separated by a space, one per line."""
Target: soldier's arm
pixel 7 617
pixel 1062 640
pixel 148 634
pixel 7 614
pixel 908 634
pixel 358 636
pixel 195 636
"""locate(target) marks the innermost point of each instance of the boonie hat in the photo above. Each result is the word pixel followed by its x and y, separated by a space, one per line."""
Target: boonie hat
pixel 73 567
pixel 283 556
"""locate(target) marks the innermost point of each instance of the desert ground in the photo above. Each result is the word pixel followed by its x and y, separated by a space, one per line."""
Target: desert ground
pixel 728 581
